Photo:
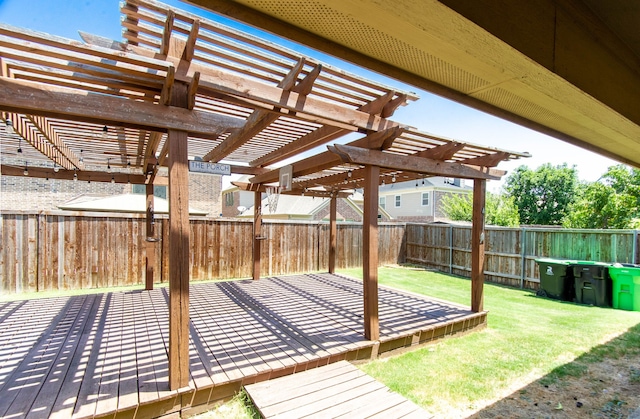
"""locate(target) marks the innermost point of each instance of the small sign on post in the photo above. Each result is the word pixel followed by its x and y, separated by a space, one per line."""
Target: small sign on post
pixel 211 168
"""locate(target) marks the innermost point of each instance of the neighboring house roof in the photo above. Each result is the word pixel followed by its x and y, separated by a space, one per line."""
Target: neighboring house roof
pixel 429 183
pixel 357 198
pixel 120 203
pixel 291 206
pixel 305 207
pixel 232 187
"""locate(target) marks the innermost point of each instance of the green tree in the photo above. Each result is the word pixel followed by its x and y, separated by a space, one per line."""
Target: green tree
pixel 611 202
pixel 499 209
pixel 542 196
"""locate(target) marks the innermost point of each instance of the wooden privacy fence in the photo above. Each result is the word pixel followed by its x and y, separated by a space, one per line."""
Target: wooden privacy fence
pixel 55 250
pixel 510 253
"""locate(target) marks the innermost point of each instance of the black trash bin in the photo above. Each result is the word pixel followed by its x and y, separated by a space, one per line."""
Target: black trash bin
pixel 556 278
pixel 592 283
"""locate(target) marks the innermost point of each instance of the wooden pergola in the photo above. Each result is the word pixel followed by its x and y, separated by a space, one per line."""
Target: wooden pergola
pixel 182 87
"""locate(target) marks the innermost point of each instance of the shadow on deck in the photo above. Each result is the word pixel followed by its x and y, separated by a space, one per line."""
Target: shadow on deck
pixel 106 354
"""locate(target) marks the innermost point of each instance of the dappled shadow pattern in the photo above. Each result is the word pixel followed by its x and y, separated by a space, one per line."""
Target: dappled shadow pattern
pixel 105 353
pixel 243 328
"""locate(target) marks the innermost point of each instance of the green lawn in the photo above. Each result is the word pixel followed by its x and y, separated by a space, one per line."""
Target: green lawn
pixel 527 337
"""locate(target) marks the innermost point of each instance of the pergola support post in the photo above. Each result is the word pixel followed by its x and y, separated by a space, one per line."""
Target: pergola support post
pixel 477 245
pixel 333 233
pixel 370 253
pixel 257 232
pixel 178 250
pixel 150 257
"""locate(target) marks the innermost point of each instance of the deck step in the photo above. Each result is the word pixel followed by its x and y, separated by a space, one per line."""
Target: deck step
pixel 332 391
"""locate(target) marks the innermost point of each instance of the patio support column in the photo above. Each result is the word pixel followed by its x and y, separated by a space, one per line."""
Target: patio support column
pixel 477 245
pixel 333 233
pixel 178 250
pixel 370 252
pixel 257 232
pixel 150 257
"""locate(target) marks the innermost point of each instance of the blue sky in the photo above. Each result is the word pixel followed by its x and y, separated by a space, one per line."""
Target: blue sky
pixel 431 113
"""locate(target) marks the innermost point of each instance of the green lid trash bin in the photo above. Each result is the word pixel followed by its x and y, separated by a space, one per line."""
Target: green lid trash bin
pixel 625 287
pixel 592 283
pixel 556 278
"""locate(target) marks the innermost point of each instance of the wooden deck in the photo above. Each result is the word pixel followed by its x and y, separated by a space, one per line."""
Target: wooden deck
pixel 338 390
pixel 106 354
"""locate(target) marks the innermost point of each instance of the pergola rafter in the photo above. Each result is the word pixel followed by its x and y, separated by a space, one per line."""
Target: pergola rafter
pixel 37 132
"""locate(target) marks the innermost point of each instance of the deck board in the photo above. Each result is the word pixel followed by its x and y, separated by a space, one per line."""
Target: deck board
pixel 102 354
pixel 57 377
pixel 111 359
pixel 370 404
pixel 145 336
pixel 332 391
pixel 30 375
pixel 88 391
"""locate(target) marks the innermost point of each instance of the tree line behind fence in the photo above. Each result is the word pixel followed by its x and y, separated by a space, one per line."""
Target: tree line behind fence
pixel 57 251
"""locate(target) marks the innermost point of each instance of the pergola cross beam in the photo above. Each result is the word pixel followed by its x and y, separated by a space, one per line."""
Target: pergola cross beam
pixel 77 175
pixel 358 155
pixel 34 98
pixel 296 190
pixel 327 159
pixel 351 179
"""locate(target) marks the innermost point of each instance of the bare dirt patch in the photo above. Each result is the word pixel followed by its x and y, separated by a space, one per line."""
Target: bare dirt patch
pixel 606 389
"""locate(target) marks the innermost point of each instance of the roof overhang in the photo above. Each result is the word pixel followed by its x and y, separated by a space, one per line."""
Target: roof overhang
pixel 567 68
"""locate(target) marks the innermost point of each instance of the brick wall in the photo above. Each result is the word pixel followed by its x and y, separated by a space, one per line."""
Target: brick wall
pixel 344 211
pixel 204 193
pixel 35 194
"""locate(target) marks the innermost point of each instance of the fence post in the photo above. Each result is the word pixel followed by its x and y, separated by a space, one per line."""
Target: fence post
pixel 318 247
pixel 523 247
pixel 39 241
pixel 450 248
pixel 634 257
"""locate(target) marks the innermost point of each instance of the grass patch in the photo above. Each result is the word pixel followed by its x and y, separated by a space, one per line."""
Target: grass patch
pixel 527 337
pixel 239 407
pixel 572 369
